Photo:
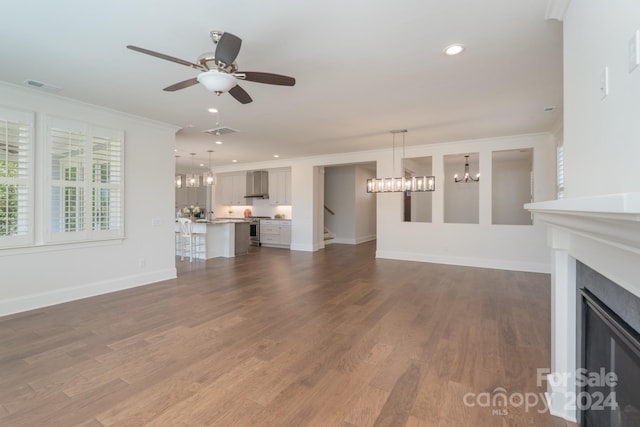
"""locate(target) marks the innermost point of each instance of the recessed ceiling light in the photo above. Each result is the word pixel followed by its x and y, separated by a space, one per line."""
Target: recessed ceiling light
pixel 219 142
pixel 454 49
pixel 234 161
pixel 201 164
pixel 276 156
pixel 213 110
pixel 175 150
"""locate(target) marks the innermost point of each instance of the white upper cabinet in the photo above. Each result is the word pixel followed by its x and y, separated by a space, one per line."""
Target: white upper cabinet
pixel 234 189
pixel 280 187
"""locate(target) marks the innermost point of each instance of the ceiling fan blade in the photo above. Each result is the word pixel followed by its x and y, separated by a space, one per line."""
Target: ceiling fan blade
pixel 181 85
pixel 166 57
pixel 228 48
pixel 240 94
pixel 268 78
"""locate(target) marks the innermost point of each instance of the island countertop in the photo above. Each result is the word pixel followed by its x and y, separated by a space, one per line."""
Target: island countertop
pixel 224 238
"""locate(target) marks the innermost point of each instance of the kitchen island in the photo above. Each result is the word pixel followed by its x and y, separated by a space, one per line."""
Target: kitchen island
pixel 224 238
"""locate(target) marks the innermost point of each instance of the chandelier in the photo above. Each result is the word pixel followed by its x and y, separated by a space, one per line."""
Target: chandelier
pixel 467 176
pixel 402 184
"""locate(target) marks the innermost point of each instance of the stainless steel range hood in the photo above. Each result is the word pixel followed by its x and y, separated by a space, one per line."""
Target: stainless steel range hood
pixel 257 185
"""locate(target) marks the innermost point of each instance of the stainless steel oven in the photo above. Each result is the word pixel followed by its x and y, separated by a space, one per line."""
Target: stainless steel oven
pixel 254 230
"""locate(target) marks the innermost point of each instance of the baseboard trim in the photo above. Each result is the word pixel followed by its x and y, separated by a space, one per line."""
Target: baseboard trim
pixel 355 241
pixel 305 247
pixel 59 296
pixel 468 262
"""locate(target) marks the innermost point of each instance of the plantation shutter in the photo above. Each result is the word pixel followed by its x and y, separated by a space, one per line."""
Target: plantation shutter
pixel 106 193
pixel 16 183
pixel 85 182
pixel 67 163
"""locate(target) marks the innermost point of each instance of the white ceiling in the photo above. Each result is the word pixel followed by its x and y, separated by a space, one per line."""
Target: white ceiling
pixel 362 68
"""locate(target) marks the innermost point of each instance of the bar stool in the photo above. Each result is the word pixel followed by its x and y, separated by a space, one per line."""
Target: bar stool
pixel 188 237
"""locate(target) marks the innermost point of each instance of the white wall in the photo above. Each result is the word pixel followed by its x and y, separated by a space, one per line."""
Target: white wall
pixel 513 247
pixel 484 245
pixel 340 197
pixel 45 275
pixel 421 202
pixel 365 206
pixel 511 191
pixel 461 199
pixel 355 210
pixel 601 137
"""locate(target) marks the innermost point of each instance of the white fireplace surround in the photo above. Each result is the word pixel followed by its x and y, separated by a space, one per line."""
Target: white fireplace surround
pixel 602 232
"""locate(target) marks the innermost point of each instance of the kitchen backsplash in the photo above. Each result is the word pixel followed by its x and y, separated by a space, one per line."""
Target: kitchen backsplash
pixel 259 208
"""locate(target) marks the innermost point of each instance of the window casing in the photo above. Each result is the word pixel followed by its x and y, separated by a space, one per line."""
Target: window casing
pixel 16 178
pixel 85 185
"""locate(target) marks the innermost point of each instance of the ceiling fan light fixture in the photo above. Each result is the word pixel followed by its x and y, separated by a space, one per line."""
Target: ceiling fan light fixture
pixel 217 81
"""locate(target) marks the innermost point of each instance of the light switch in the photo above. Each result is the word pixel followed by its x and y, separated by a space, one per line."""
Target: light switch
pixel 634 51
pixel 604 83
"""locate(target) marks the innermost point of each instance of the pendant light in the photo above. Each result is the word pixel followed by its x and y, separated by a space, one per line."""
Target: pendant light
pixel 402 184
pixel 193 179
pixel 209 178
pixel 467 176
pixel 178 178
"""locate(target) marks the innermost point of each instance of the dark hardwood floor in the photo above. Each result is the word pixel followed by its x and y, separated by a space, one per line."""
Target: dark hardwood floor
pixel 280 338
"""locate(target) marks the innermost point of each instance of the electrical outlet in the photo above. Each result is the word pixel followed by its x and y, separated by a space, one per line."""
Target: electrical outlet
pixel 634 51
pixel 156 222
pixel 142 263
pixel 604 83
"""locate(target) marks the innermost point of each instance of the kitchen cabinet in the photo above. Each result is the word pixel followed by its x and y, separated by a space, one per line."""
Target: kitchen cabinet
pixel 234 189
pixel 280 187
pixel 275 232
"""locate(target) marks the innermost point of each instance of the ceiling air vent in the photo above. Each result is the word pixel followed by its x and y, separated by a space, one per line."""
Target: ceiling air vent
pixel 222 130
pixel 43 86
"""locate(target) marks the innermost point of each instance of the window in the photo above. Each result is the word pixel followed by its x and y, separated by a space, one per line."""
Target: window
pixel 16 183
pixel 85 182
pixel 560 171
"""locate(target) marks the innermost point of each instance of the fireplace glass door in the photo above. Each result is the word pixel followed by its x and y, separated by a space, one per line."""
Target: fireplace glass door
pixel 610 374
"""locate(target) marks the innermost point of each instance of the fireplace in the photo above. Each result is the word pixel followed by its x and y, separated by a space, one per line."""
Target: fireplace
pixel 608 348
pixel 595 254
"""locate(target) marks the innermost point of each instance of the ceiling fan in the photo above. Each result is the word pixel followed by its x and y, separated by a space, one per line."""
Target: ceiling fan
pixel 219 71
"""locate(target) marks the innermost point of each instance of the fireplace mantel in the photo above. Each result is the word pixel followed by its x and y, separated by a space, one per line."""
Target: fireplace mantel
pixel 602 232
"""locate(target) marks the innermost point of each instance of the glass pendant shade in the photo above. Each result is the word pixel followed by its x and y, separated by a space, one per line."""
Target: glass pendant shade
pixel 217 81
pixel 193 180
pixel 208 179
pixel 178 181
